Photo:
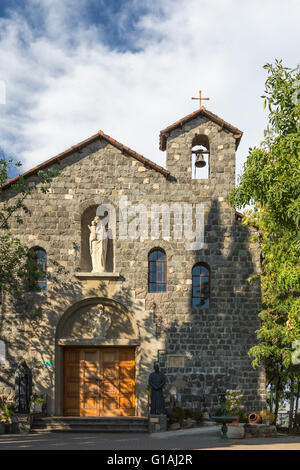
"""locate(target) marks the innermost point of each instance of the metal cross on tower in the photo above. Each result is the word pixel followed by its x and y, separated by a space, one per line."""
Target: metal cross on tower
pixel 200 98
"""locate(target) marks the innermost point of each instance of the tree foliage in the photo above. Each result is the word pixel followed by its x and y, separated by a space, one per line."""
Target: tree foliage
pixel 19 270
pixel 270 184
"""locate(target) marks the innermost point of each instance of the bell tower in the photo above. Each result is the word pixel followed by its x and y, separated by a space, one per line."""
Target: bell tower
pixel 201 151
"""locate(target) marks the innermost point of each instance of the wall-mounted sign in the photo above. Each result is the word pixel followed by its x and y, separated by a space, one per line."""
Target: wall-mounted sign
pixel 48 364
pixel 175 360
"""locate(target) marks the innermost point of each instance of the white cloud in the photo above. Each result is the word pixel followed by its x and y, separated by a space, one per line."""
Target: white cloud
pixel 63 83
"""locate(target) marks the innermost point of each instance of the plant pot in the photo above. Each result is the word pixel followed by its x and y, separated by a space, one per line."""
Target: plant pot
pixel 8 428
pixel 236 422
pixel 236 432
pixel 254 418
pixel 37 407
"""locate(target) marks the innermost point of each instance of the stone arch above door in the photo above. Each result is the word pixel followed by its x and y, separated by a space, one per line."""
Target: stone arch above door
pixel 97 321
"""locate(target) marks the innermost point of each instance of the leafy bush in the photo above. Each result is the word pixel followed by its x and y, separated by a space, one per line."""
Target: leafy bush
pixel 193 413
pixel 7 410
pixel 265 414
pixel 243 417
pixel 39 400
pixel 297 423
pixel 218 412
pixel 177 415
pixel 188 413
pixel 197 415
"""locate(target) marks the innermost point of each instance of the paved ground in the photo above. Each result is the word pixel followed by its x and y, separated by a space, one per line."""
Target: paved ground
pixel 114 442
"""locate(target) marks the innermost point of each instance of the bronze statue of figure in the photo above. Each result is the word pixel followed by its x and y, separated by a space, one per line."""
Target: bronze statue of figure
pixel 23 387
pixel 157 380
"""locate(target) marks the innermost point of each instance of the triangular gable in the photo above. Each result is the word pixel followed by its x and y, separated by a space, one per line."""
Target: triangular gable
pixel 164 134
pixel 75 148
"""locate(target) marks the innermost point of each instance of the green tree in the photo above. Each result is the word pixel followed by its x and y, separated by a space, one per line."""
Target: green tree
pixel 270 184
pixel 18 267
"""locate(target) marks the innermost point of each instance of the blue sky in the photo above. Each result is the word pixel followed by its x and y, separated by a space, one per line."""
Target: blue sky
pixel 116 20
pixel 130 68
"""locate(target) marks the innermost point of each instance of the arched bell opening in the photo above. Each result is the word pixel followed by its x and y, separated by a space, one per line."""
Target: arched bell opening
pixel 200 157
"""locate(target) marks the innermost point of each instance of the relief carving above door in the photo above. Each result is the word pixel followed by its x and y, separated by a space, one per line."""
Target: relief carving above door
pixel 95 322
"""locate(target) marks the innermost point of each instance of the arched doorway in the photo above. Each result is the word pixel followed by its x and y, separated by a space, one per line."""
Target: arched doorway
pixel 96 343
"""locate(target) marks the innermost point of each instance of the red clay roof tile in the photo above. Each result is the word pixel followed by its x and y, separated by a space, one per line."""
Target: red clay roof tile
pixel 199 112
pixel 79 146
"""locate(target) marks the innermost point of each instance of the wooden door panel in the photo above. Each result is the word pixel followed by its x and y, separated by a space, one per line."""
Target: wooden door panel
pixel 127 372
pixel 126 402
pixel 89 371
pixel 71 383
pixel 127 381
pixel 111 403
pixel 109 372
pixel 109 356
pixel 99 382
pixel 127 387
pixel 126 354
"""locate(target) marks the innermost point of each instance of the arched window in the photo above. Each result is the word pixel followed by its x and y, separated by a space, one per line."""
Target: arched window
pixel 39 270
pixel 200 285
pixel 157 272
pixel 2 352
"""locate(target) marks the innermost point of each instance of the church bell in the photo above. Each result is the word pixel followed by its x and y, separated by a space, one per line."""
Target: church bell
pixel 200 162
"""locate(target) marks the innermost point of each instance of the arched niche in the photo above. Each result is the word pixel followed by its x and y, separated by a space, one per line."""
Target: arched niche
pixel 85 257
pixel 201 143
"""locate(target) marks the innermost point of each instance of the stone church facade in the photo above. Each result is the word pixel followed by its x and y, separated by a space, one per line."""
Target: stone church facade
pixel 92 335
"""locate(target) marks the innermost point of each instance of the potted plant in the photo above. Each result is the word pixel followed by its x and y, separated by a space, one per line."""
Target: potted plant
pixel 7 411
pixel 38 404
pixel 267 417
pixel 233 405
pixel 2 422
pixel 176 418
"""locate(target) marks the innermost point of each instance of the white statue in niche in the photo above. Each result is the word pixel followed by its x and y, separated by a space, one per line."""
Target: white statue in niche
pixel 98 245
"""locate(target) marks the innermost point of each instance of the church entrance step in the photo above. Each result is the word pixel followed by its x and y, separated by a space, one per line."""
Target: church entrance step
pixel 96 424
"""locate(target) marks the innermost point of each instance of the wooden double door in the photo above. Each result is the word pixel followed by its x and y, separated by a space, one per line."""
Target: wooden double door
pixel 99 381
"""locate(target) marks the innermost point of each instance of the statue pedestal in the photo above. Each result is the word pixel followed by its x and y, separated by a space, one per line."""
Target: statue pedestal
pixel 94 275
pixel 157 423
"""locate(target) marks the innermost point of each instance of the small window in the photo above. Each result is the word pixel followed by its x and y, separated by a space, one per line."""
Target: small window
pixel 157 271
pixel 200 285
pixel 39 270
pixel 2 352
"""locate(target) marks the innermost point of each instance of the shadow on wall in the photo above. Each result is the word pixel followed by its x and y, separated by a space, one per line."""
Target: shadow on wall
pixel 214 343
pixel 216 340
pixel 30 332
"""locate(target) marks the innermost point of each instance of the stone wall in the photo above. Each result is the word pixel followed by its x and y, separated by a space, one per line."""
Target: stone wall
pixel 213 341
